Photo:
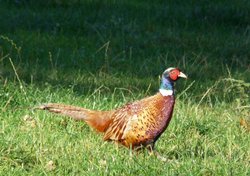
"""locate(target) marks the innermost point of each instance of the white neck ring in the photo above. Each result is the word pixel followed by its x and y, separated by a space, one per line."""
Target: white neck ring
pixel 165 92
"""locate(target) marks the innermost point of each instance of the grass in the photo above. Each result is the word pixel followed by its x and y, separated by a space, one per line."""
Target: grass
pixel 102 54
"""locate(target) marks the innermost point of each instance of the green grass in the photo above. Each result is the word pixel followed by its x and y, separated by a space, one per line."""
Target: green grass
pixel 103 54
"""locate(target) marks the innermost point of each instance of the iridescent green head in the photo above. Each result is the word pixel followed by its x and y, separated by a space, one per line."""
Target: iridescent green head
pixel 169 76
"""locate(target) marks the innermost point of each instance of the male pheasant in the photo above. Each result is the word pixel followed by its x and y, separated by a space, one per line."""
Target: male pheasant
pixel 138 124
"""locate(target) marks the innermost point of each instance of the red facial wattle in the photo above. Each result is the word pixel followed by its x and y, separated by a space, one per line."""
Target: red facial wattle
pixel 174 74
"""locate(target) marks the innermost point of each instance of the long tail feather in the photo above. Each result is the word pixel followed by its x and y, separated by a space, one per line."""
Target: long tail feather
pixel 99 120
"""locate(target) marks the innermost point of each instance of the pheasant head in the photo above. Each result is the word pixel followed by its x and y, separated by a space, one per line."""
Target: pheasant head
pixel 169 76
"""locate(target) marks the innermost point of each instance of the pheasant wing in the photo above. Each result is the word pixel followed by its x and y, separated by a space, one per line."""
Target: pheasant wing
pixel 132 121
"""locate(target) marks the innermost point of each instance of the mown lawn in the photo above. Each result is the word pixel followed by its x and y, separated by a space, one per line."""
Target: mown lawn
pixel 103 54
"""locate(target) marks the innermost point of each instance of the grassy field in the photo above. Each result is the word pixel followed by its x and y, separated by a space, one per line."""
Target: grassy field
pixel 102 54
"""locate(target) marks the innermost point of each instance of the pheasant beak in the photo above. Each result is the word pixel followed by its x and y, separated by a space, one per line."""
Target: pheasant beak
pixel 182 75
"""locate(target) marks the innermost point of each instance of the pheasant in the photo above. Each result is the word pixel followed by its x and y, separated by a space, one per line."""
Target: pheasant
pixel 135 125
